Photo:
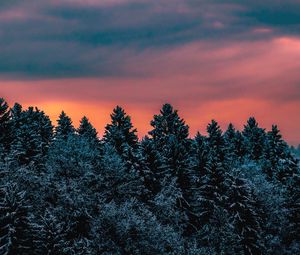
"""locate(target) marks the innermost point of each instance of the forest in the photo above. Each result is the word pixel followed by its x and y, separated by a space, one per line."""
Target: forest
pixel 65 190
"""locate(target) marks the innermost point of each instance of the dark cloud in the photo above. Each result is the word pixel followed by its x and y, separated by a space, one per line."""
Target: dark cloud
pixel 96 38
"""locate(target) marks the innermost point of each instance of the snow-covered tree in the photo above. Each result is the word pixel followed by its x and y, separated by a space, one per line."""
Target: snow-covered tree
pixel 50 235
pixel 87 130
pixel 32 134
pixel 15 229
pixel 64 127
pixel 254 139
pixel 5 128
pixel 245 218
pixel 120 132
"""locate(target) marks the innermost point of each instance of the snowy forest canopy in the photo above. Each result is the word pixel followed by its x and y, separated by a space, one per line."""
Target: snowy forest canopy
pixel 65 191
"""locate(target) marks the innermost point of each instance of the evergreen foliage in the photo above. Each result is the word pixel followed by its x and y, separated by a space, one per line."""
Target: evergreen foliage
pixel 70 192
pixel 64 127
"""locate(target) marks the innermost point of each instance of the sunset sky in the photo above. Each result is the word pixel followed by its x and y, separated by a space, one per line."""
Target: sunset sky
pixel 226 60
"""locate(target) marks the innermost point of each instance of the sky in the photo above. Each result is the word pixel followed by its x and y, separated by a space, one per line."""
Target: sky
pixel 211 59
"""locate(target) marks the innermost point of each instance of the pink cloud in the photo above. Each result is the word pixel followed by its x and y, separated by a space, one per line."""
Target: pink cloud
pixel 205 80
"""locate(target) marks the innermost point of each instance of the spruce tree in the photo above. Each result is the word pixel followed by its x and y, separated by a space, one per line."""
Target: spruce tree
pixel 245 218
pixel 32 134
pixel 170 135
pixel 254 139
pixel 292 205
pixel 275 152
pixel 154 161
pixel 15 230
pixel 215 141
pixel 5 128
pixel 153 158
pixel 87 130
pixel 119 182
pixel 230 141
pixel 166 124
pixel 64 127
pixel 50 235
pixel 120 133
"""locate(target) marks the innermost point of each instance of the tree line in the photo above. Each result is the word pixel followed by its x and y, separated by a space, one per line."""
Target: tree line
pixel 63 190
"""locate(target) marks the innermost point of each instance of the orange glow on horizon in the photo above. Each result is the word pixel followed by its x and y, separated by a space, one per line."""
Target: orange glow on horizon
pixel 223 111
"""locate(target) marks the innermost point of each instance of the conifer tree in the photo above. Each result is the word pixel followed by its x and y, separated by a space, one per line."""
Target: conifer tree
pixel 240 148
pixel 215 141
pixel 275 152
pixel 32 134
pixel 153 161
pixel 120 133
pixel 230 141
pixel 211 190
pixel 166 124
pixel 292 205
pixel 50 235
pixel 170 135
pixel 5 128
pixel 120 183
pixel 254 139
pixel 245 218
pixel 15 231
pixel 201 154
pixel 64 127
pixel 153 158
pixel 87 130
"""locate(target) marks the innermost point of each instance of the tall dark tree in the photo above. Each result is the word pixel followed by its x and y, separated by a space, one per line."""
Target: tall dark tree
pixel 87 130
pixel 275 152
pixel 230 140
pixel 245 218
pixel 120 133
pixel 170 135
pixel 50 236
pixel 201 151
pixel 215 141
pixel 15 230
pixel 32 134
pixel 254 139
pixel 5 128
pixel 64 127
pixel 166 124
pixel 292 237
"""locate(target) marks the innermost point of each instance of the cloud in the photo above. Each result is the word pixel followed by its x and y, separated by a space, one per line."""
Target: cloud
pixel 201 55
pixel 57 38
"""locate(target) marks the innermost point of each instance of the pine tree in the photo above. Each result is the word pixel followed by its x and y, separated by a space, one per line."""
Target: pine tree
pixel 119 182
pixel 64 127
pixel 209 207
pixel 170 135
pixel 215 141
pixel 122 136
pixel 5 128
pixel 245 218
pixel 275 152
pixel 211 190
pixel 230 141
pixel 166 124
pixel 50 235
pixel 240 148
pixel 153 161
pixel 15 231
pixel 254 139
pixel 32 134
pixel 120 133
pixel 87 130
pixel 292 205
